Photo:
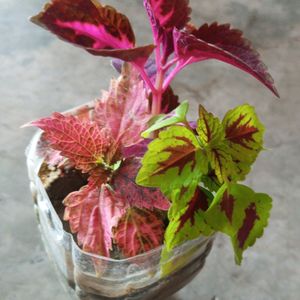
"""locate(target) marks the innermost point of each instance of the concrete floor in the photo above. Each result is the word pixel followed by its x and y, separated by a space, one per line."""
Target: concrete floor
pixel 39 74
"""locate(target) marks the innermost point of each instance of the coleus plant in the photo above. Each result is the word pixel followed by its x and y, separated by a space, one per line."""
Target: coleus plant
pixel 143 158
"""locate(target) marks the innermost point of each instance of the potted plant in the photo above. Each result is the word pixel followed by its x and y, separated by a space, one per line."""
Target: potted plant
pixel 129 193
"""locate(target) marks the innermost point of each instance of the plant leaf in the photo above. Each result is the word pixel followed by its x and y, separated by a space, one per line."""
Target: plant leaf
pixel 124 109
pixel 244 133
pixel 221 162
pixel 212 137
pixel 82 142
pixel 165 15
pixel 209 128
pixel 240 213
pixel 222 43
pixel 177 116
pixel 188 222
pixel 99 29
pixel 173 160
pixel 92 212
pixel 125 188
pixel 139 231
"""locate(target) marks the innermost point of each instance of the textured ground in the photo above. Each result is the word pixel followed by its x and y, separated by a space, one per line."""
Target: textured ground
pixel 40 74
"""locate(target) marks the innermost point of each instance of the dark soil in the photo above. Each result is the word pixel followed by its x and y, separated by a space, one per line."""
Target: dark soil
pixel 70 180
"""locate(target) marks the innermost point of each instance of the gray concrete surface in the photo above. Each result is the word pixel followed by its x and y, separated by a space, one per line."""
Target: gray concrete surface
pixel 40 74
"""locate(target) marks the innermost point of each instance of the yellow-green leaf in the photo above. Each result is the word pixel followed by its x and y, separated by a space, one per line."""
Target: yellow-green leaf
pixel 173 160
pixel 240 213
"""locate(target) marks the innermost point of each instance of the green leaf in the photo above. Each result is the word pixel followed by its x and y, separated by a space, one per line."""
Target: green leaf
pixel 211 181
pixel 188 223
pixel 244 134
pixel 173 160
pixel 209 129
pixel 176 116
pixel 240 213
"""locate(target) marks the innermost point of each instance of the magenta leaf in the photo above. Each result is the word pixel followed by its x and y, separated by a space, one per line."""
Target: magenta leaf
pixel 165 15
pixel 139 231
pixel 222 43
pixel 92 212
pixel 99 29
pixel 133 194
pixel 124 109
pixel 82 142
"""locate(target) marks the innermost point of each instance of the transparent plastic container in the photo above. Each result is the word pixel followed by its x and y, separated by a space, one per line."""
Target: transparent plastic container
pixel 92 277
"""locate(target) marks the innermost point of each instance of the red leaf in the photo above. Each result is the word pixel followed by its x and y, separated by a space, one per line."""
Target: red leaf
pixel 124 109
pixel 82 142
pixel 165 15
pixel 135 195
pixel 92 212
pixel 222 43
pixel 101 30
pixel 139 231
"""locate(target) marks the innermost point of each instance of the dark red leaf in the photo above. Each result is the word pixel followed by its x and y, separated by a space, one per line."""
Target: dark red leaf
pixel 133 194
pixel 222 43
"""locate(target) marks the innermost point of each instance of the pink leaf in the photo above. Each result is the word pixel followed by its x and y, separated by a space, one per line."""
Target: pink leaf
pixel 222 43
pixel 139 231
pixel 124 109
pixel 135 195
pixel 82 142
pixel 92 213
pixel 99 29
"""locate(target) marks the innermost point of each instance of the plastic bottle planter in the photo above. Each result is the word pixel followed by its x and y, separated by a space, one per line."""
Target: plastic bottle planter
pixel 94 277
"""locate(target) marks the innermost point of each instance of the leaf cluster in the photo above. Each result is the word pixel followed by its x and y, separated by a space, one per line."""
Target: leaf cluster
pixel 198 169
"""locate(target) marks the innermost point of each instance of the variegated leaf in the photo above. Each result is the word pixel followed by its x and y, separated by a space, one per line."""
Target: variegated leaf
pixel 209 128
pixel 240 213
pixel 173 160
pixel 99 29
pixel 186 216
pixel 244 134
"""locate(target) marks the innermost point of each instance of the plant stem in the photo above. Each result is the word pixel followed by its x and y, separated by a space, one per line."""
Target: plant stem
pixel 145 78
pixel 157 97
